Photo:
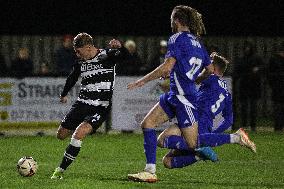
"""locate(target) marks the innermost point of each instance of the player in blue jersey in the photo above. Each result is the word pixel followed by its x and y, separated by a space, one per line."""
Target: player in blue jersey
pixel 213 98
pixel 184 61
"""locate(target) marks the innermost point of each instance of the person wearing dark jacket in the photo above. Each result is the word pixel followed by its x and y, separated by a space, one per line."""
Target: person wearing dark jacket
pixel 22 66
pixel 65 57
pixel 159 57
pixel 132 60
pixel 248 69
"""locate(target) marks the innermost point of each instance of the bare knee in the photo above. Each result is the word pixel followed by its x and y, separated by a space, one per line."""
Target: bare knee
pixel 82 131
pixel 60 136
pixel 167 161
pixel 62 133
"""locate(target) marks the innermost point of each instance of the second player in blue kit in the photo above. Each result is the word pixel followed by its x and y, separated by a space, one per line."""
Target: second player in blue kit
pixel 213 98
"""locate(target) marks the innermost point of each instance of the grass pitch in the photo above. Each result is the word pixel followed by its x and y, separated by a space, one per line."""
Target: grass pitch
pixel 105 161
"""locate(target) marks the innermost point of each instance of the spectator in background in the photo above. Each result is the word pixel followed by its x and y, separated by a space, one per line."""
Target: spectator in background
pixel 133 61
pixel 159 57
pixel 22 66
pixel 248 69
pixel 3 67
pixel 65 56
pixel 157 60
pixel 44 70
pixel 276 81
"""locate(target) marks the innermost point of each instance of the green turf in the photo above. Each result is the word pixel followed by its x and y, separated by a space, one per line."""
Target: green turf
pixel 105 160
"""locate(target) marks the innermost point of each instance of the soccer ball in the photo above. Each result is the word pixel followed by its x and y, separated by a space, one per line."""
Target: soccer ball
pixel 27 166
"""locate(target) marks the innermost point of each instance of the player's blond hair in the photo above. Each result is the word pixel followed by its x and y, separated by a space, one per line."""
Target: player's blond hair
pixel 219 61
pixel 191 18
pixel 82 39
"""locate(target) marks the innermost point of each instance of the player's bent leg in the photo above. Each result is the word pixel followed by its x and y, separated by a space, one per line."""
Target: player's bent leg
pixel 180 158
pixel 218 139
pixel 73 149
pixel 170 138
pixel 172 130
pixel 190 134
pixel 63 133
pixel 180 161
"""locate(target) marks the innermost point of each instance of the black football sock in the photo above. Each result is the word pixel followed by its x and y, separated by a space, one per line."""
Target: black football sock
pixel 71 153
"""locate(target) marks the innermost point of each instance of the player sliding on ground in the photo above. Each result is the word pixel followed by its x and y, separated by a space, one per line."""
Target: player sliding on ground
pixel 213 98
pixel 96 67
pixel 185 59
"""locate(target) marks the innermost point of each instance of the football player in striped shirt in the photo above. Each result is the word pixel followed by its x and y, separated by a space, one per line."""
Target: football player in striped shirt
pixel 97 70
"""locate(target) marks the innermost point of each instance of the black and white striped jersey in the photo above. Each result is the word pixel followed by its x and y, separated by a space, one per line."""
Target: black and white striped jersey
pixel 98 75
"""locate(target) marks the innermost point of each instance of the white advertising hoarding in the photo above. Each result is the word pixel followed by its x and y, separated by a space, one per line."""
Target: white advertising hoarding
pixel 130 106
pixel 33 99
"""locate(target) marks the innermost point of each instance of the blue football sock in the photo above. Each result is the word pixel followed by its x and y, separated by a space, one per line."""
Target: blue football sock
pixel 175 142
pixel 150 145
pixel 182 161
pixel 213 139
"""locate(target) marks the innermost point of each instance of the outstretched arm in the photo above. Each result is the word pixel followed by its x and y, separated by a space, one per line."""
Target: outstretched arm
pixel 162 71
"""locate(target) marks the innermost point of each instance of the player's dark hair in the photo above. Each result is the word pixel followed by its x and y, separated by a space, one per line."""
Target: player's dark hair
pixel 82 39
pixel 189 17
pixel 220 62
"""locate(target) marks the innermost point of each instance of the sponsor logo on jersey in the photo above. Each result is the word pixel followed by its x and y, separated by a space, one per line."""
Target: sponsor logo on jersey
pixel 89 67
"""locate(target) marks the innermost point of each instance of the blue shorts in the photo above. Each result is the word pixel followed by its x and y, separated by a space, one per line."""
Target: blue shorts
pixel 205 123
pixel 185 114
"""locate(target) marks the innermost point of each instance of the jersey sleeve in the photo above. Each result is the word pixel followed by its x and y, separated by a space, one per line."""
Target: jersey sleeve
pixel 71 79
pixel 227 114
pixel 117 55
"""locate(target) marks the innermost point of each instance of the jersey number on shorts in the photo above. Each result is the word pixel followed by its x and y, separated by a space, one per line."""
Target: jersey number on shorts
pixel 195 63
pixel 215 107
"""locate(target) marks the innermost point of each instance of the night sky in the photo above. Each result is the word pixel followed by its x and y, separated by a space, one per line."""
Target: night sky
pixel 141 17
